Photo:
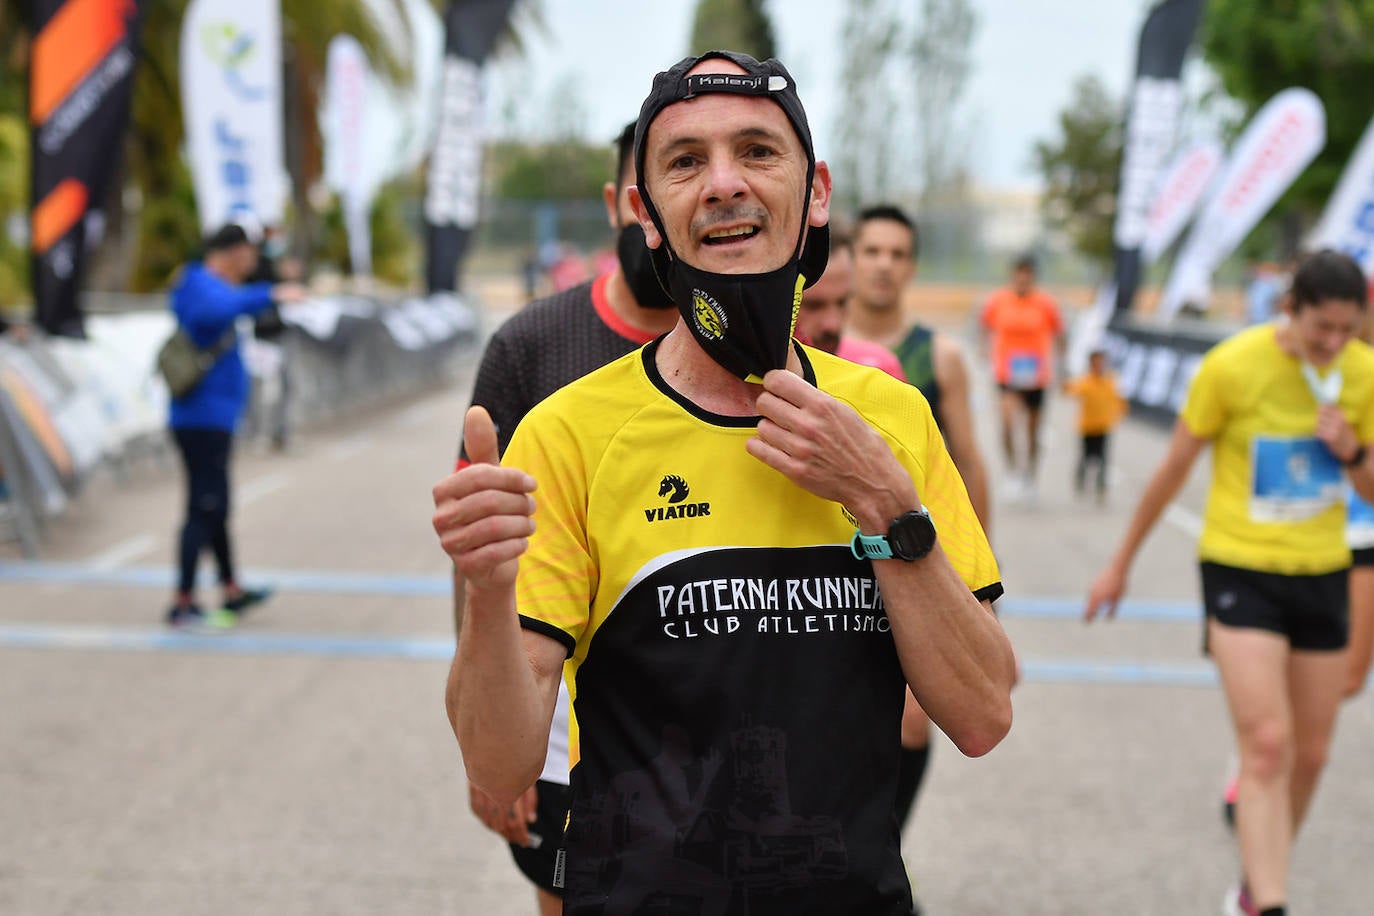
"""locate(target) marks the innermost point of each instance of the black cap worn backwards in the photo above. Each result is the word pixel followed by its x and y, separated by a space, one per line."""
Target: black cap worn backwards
pixel 228 236
pixel 768 79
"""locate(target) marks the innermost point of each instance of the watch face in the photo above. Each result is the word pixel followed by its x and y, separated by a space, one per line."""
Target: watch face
pixel 912 536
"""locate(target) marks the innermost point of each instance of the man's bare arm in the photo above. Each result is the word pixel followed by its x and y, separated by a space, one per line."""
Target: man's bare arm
pixel 956 415
pixel 502 689
pixel 504 682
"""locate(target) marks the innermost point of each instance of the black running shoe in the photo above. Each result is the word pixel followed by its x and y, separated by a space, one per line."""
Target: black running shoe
pixel 247 598
pixel 185 616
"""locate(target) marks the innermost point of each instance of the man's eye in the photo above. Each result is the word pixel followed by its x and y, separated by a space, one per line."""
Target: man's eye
pixel 683 162
pixel 759 152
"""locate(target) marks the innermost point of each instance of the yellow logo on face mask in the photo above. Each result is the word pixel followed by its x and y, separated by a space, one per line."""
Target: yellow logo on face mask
pixel 708 315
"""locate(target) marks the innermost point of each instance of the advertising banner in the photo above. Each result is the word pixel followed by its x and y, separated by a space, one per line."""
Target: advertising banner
pixel 1181 192
pixel 1283 137
pixel 455 165
pixel 231 101
pixel 1348 222
pixel 1151 131
pixel 345 127
pixel 80 84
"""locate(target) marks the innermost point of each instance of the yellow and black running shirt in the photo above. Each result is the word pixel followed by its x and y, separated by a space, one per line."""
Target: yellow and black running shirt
pixel 736 690
pixel 1277 500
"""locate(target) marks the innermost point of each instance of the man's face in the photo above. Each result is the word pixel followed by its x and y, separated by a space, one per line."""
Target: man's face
pixel 240 261
pixel 823 305
pixel 882 263
pixel 1322 330
pixel 727 173
pixel 1022 280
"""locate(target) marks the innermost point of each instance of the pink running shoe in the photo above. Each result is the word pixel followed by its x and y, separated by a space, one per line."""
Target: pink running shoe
pixel 1238 902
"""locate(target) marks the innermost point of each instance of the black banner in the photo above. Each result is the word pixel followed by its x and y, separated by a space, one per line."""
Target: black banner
pixel 455 165
pixel 1151 128
pixel 1155 366
pixel 80 86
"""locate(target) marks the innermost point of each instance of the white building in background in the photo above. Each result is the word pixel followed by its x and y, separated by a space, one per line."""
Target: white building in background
pixel 1011 221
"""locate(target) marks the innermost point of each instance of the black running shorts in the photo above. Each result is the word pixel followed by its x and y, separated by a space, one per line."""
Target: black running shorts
pixel 1033 398
pixel 551 815
pixel 1362 556
pixel 1311 611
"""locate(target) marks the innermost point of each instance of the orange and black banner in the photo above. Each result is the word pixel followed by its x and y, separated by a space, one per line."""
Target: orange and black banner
pixel 80 84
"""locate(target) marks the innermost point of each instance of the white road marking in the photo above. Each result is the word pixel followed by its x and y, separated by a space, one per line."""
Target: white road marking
pixel 121 553
pixel 1185 521
pixel 259 487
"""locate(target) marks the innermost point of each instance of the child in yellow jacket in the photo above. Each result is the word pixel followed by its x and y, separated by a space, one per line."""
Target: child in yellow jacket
pixel 1101 407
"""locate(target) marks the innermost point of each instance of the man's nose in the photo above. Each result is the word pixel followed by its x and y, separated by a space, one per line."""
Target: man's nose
pixel 724 180
pixel 831 321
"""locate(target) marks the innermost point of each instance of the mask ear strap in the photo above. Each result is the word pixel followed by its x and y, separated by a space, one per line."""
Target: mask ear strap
pixel 661 258
pixel 815 255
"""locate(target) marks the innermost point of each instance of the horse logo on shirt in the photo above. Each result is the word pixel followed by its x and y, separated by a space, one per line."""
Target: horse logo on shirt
pixel 677 485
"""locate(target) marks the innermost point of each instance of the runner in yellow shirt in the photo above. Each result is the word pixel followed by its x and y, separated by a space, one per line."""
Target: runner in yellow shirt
pixel 1288 409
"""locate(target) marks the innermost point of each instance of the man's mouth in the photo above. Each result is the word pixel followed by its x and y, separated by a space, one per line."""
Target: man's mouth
pixel 732 235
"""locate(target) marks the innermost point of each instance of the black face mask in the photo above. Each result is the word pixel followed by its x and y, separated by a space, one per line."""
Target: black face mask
pixel 745 321
pixel 637 265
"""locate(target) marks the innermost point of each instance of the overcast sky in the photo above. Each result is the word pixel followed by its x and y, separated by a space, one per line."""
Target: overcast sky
pixel 594 62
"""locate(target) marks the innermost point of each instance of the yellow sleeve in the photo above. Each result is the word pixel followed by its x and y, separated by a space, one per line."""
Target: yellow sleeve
pixel 1204 411
pixel 557 578
pixel 961 535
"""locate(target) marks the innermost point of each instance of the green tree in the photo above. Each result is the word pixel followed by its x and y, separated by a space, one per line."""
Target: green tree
pixel 568 169
pixel 1080 169
pixel 1261 47
pixel 734 25
pixel 867 160
pixel 14 153
pixel 941 58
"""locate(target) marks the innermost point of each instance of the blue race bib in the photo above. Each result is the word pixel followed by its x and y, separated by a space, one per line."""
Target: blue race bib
pixel 1025 371
pixel 1294 478
pixel 1359 521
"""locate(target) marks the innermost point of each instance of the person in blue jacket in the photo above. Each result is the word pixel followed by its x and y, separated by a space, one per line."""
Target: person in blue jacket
pixel 208 299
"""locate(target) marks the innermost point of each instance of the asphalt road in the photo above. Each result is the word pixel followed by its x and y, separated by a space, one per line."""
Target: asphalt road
pixel 303 763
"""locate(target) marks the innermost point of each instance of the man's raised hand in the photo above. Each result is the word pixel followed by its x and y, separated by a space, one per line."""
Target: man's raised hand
pixel 482 513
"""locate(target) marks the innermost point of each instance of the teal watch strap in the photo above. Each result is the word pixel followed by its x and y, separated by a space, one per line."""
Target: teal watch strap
pixel 874 547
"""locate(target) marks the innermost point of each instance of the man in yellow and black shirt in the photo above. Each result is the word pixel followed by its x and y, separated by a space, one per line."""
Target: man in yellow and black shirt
pixel 733 546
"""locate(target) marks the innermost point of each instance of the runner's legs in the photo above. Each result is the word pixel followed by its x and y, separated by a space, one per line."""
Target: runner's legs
pixel 1253 665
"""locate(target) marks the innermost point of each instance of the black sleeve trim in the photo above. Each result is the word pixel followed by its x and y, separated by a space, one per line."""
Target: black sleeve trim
pixel 549 630
pixel 990 592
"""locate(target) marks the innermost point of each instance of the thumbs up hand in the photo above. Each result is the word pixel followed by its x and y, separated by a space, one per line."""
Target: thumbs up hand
pixel 482 513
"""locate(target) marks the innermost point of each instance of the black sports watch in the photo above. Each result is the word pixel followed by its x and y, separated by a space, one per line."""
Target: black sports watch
pixel 911 536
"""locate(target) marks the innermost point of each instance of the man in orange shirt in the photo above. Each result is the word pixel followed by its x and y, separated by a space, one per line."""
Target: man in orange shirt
pixel 1023 326
pixel 1101 407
